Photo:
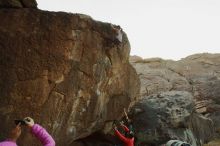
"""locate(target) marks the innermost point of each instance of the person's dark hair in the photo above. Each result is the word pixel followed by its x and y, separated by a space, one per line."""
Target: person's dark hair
pixel 185 144
pixel 174 143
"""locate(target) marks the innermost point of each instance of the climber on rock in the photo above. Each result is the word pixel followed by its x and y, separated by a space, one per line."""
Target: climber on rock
pixel 128 138
pixel 118 32
pixel 39 132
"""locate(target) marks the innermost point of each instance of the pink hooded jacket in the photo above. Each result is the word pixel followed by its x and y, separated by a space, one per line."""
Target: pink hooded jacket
pixel 39 132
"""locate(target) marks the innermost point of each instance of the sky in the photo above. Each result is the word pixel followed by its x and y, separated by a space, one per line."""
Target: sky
pixel 169 29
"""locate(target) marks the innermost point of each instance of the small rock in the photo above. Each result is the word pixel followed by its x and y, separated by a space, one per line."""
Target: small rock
pixel 29 3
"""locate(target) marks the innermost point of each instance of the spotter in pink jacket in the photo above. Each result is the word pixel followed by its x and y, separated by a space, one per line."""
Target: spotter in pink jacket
pixel 39 132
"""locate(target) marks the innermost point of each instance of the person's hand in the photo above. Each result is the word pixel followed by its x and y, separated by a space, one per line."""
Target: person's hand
pixel 126 115
pixel 15 133
pixel 29 121
pixel 115 127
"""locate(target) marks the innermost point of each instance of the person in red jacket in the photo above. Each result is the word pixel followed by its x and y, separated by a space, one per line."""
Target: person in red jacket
pixel 128 138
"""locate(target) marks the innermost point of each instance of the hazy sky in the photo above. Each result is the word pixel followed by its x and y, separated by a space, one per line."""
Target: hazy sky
pixel 171 29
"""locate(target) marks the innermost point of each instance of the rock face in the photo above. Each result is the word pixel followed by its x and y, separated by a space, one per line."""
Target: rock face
pixel 18 4
pixel 198 75
pixel 169 115
pixel 66 71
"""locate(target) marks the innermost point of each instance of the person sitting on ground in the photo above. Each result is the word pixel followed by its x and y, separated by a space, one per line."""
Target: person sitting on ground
pixel 176 143
pixel 38 131
pixel 128 138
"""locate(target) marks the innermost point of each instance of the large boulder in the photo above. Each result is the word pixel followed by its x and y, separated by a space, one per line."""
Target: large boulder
pixel 169 115
pixel 67 71
pixel 197 74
